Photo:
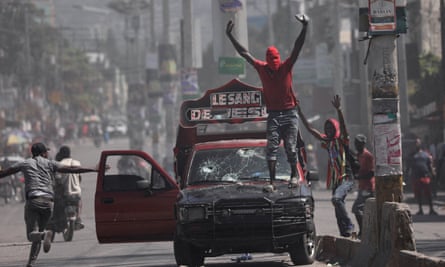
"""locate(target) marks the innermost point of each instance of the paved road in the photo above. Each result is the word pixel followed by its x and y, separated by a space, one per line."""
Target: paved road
pixel 84 250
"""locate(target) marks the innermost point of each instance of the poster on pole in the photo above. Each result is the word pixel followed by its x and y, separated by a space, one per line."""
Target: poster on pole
pixel 382 17
pixel 388 149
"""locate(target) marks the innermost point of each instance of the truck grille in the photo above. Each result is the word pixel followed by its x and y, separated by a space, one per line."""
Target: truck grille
pixel 257 219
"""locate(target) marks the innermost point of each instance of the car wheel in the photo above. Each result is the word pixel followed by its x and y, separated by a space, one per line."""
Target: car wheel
pixel 303 251
pixel 187 254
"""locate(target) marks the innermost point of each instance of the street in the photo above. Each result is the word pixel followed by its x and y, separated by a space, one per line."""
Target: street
pixel 85 250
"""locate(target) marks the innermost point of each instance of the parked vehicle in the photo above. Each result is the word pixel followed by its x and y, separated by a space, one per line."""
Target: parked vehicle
pixel 217 203
pixel 6 189
pixel 12 187
pixel 117 128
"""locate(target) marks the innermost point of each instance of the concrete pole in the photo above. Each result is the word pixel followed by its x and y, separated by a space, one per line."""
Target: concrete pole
pixel 338 57
pixel 187 34
pixel 442 94
pixel 386 124
pixel 166 21
pixel 403 84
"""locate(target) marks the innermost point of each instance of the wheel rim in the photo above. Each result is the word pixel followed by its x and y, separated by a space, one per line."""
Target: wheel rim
pixel 310 243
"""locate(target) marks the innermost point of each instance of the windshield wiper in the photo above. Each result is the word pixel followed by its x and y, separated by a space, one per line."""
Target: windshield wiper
pixel 253 178
pixel 212 182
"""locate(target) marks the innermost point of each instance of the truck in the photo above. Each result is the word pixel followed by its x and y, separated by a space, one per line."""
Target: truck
pixel 216 202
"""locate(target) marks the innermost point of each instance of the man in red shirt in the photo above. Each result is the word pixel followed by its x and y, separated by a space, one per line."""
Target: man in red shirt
pixel 276 78
pixel 366 179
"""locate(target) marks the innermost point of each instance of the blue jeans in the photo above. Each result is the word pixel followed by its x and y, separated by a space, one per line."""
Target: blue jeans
pixel 359 206
pixel 282 125
pixel 338 200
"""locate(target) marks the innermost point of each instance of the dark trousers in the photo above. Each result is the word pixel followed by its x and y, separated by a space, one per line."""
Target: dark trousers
pixel 38 211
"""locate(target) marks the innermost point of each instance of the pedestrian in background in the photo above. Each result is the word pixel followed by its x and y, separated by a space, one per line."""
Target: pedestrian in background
pixel 365 177
pixel 421 171
pixel 276 78
pixel 39 174
pixel 69 184
pixel 340 178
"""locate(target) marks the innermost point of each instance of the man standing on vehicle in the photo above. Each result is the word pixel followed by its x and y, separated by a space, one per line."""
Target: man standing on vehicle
pixel 39 172
pixel 276 78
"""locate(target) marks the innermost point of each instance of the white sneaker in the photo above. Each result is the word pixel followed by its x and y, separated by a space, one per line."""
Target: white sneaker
pixel 47 241
pixel 269 188
pixel 293 182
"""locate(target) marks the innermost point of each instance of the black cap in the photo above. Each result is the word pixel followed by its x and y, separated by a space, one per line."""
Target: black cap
pixel 38 149
pixel 361 138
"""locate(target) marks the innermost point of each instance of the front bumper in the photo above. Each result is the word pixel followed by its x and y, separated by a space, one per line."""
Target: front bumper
pixel 255 225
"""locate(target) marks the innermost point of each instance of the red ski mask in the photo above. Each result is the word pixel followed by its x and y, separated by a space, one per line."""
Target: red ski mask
pixel 273 57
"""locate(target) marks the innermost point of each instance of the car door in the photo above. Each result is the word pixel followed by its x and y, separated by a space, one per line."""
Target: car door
pixel 134 199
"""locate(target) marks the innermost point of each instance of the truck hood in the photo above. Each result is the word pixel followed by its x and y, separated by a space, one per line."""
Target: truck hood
pixel 208 194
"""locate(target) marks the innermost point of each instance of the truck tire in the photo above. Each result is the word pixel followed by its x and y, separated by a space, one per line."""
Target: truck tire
pixel 303 251
pixel 187 254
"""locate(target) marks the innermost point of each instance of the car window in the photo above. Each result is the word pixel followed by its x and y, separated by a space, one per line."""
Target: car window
pixel 127 170
pixel 234 165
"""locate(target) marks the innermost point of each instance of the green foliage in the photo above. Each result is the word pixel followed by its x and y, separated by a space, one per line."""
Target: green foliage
pixel 429 65
pixel 429 85
pixel 29 46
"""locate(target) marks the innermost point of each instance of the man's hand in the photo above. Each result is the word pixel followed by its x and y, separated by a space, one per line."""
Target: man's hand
pixel 304 19
pixel 229 27
pixel 336 102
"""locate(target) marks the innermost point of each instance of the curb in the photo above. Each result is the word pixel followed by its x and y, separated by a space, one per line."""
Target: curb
pixel 342 249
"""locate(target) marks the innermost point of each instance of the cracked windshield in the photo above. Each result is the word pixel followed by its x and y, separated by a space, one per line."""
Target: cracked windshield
pixel 235 165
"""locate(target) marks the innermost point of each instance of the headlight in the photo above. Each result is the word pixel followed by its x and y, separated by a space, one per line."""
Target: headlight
pixel 188 214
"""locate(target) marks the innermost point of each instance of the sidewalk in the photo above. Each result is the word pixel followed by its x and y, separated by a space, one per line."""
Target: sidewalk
pixel 438 201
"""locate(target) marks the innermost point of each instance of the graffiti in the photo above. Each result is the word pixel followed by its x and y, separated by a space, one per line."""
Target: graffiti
pixel 384 85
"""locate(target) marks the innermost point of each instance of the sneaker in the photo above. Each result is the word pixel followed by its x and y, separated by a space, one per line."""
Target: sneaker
pixel 346 234
pixel 293 182
pixel 47 241
pixel 36 236
pixel 420 212
pixel 349 231
pixel 79 226
pixel 433 212
pixel 269 188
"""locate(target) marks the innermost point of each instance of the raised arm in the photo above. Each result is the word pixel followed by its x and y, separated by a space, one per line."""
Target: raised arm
pixel 238 47
pixel 308 126
pixel 76 169
pixel 8 171
pixel 336 102
pixel 300 39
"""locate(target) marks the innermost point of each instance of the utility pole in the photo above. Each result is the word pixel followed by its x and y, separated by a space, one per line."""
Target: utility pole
pixel 28 69
pixel 442 95
pixel 383 68
pixel 132 11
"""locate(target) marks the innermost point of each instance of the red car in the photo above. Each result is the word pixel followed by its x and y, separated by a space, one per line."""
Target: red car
pixel 217 203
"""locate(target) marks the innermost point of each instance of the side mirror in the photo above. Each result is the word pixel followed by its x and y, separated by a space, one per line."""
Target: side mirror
pixel 143 184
